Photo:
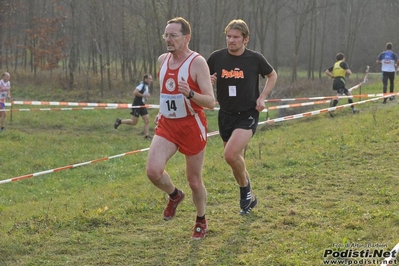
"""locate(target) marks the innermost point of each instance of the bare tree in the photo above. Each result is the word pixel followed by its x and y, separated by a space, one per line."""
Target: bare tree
pixel 323 36
pixel 122 39
pixel 73 51
pixel 357 11
pixel 219 16
pixel 278 6
pixel 312 38
pixel 263 15
pixel 300 19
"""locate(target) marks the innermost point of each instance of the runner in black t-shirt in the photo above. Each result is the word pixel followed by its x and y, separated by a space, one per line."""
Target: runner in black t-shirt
pixel 141 94
pixel 235 70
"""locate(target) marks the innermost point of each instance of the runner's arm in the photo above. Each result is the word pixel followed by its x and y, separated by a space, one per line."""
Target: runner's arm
pixel 200 71
pixel 269 85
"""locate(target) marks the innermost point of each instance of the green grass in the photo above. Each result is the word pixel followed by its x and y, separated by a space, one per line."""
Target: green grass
pixel 320 182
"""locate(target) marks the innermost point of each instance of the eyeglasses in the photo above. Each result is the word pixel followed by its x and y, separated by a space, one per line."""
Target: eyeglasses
pixel 172 36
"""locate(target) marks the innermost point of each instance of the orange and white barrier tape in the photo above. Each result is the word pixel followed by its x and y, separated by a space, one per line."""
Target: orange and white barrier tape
pixel 127 105
pixel 363 81
pixel 381 95
pixel 78 108
pixel 307 114
pixel 297 105
pixel 72 103
pixel 70 166
pixel 81 104
pixel 331 97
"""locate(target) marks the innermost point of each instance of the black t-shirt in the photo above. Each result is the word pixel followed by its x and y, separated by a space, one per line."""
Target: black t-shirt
pixel 137 99
pixel 237 86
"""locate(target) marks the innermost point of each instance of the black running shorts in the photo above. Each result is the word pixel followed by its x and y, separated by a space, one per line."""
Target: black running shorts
pixel 228 122
pixel 139 111
pixel 338 83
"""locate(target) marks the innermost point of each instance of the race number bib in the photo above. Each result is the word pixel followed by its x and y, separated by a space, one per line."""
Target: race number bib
pixel 172 106
pixel 3 95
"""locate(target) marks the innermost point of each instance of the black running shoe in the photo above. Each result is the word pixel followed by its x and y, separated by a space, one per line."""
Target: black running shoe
pixel 117 123
pixel 247 210
pixel 331 105
pixel 245 196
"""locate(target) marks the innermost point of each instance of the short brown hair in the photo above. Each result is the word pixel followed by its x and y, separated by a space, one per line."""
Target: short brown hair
pixel 238 24
pixel 185 25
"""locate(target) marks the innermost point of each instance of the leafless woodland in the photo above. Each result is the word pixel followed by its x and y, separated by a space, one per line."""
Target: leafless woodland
pixel 108 39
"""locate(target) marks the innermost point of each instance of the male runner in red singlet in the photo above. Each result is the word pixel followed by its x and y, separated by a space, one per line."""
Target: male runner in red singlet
pixel 181 123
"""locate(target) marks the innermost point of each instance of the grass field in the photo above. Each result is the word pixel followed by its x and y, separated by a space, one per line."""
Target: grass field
pixel 322 184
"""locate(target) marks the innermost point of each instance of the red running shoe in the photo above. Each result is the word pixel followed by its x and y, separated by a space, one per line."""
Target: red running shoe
pixel 170 209
pixel 199 230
